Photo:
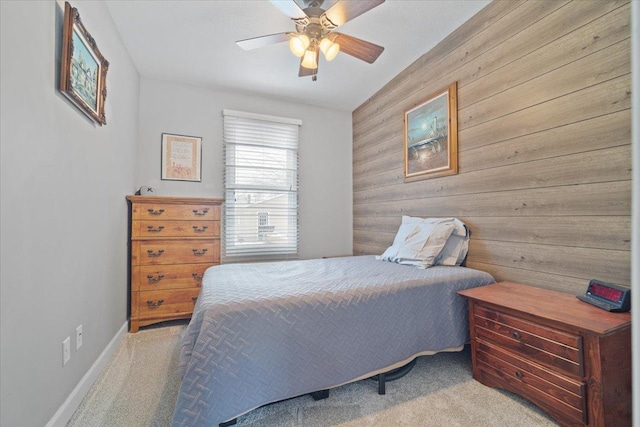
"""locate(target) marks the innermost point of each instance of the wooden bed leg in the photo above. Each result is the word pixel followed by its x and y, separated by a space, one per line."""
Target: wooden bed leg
pixel 228 423
pixel 381 385
pixel 320 394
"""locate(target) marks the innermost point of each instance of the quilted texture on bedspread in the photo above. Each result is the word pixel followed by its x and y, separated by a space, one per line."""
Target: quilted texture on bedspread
pixel 266 332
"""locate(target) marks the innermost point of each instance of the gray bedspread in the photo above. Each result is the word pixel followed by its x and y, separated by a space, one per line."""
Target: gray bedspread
pixel 266 332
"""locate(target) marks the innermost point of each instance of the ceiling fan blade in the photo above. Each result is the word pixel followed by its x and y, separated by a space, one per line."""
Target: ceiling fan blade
pixel 289 8
pixel 358 48
pixel 256 42
pixel 305 72
pixel 344 11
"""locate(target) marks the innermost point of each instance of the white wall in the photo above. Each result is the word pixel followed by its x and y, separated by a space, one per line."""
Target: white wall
pixel 325 155
pixel 63 186
pixel 63 211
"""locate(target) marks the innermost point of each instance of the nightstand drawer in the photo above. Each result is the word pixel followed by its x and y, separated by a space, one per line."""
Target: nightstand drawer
pixel 156 304
pixel 155 211
pixel 157 277
pixel 534 382
pixel 168 228
pixel 547 346
pixel 158 252
pixel 518 369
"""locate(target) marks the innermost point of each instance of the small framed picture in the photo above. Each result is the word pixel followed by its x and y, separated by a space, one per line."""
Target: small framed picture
pixel 431 136
pixel 83 74
pixel 181 157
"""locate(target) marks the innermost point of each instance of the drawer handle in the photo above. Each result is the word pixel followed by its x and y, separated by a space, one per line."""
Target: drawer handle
pixel 197 229
pixel 154 212
pixel 150 229
pixel 156 279
pixel 198 213
pixel 519 375
pixel 516 335
pixel 155 304
pixel 194 299
pixel 153 254
pixel 199 253
pixel 196 276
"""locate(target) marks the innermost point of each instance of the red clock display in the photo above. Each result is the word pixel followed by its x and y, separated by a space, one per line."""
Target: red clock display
pixel 607 296
pixel 605 292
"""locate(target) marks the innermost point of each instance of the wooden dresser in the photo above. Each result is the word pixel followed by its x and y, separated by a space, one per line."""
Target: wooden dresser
pixel 172 242
pixel 571 359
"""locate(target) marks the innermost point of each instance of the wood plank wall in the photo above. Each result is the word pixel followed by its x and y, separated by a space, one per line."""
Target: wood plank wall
pixel 544 116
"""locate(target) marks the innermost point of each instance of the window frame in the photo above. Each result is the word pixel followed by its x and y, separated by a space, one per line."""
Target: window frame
pixel 276 143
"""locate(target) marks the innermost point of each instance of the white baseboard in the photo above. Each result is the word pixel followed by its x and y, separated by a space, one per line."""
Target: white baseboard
pixel 68 408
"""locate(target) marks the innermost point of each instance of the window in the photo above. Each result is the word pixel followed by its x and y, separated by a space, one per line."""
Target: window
pixel 261 187
pixel 263 219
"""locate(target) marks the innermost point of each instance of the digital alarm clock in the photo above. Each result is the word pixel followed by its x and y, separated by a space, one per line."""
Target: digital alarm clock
pixel 607 296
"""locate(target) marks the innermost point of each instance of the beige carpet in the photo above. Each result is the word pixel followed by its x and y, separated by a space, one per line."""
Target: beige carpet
pixel 140 386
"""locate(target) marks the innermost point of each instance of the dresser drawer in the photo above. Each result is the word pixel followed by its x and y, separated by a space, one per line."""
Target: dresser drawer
pixel 175 211
pixel 547 346
pixel 544 384
pixel 157 277
pixel 173 228
pixel 155 304
pixel 162 252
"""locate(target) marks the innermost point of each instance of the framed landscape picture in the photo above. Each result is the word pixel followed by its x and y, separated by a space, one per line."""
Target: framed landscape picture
pixel 83 73
pixel 181 157
pixel 431 136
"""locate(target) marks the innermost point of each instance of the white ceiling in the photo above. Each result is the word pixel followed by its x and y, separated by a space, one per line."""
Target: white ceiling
pixel 193 42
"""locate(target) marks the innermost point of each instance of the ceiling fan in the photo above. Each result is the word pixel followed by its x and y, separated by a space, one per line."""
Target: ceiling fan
pixel 314 32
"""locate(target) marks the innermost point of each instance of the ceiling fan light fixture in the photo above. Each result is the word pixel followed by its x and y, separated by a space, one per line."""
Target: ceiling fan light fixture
pixel 299 44
pixel 329 48
pixel 309 61
pixel 314 25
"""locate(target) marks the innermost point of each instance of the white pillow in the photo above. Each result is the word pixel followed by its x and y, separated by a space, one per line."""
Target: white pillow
pixel 454 251
pixel 422 248
pixel 412 246
pixel 405 231
pixel 419 241
pixel 457 246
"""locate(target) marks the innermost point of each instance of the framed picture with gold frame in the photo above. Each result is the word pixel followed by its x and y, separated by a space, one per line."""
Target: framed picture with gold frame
pixel 83 73
pixel 181 157
pixel 431 136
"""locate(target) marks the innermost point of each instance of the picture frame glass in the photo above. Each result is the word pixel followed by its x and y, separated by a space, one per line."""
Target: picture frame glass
pixel 85 71
pixel 430 136
pixel 181 157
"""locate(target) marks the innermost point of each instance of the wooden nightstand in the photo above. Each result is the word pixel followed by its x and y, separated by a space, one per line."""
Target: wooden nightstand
pixel 571 359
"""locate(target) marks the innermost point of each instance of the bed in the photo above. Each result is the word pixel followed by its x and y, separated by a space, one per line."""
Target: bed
pixel 311 325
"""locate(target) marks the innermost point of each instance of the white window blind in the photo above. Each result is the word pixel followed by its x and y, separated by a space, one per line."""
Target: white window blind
pixel 261 187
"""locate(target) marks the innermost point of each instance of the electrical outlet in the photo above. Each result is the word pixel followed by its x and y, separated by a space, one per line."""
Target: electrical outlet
pixel 66 350
pixel 78 337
